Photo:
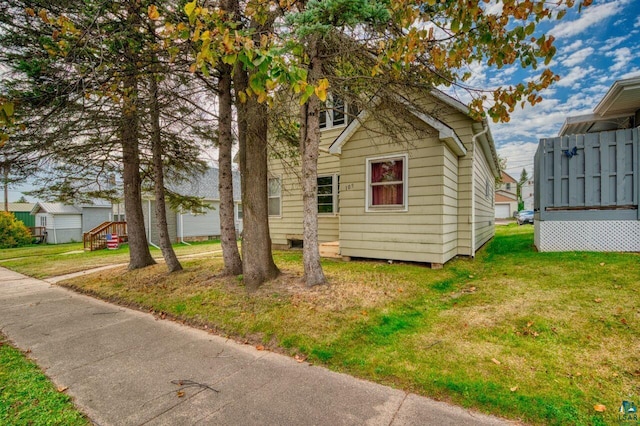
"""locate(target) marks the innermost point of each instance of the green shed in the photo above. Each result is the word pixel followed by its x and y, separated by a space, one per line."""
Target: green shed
pixel 22 212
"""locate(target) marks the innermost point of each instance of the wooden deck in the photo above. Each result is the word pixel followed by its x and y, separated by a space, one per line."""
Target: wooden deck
pixel 96 239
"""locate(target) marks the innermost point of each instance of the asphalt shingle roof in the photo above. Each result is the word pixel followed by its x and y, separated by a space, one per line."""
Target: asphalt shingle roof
pixel 205 185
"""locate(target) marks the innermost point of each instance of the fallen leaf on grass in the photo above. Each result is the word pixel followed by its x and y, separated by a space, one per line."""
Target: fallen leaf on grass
pixel 600 408
pixel 624 321
pixel 513 389
pixel 597 300
pixel 62 388
pixel 300 358
pixel 601 263
pixel 495 361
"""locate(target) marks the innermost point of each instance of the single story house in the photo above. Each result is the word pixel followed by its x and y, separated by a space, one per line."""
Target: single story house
pixel 506 197
pixel 411 179
pixel 22 212
pixel 193 225
pixel 64 223
pixel 587 179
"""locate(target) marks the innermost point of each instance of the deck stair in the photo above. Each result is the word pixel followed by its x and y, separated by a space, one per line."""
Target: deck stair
pixel 96 239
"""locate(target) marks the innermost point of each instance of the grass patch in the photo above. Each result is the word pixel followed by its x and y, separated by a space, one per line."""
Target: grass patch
pixel 538 337
pixel 48 260
pixel 27 397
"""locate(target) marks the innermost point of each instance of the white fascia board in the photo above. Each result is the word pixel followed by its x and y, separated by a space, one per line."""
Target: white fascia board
pixel 445 133
pixel 612 95
pixel 336 147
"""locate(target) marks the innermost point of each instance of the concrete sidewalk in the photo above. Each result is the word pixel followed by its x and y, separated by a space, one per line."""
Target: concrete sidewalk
pixel 124 367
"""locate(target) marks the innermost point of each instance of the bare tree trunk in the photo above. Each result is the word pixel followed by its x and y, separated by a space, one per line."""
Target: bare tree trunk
pixel 309 150
pixel 229 239
pixel 257 259
pixel 170 258
pixel 139 254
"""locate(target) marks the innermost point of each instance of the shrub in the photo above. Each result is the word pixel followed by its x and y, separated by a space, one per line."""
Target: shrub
pixel 13 233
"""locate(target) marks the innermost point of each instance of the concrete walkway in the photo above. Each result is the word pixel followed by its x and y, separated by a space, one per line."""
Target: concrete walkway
pixel 124 367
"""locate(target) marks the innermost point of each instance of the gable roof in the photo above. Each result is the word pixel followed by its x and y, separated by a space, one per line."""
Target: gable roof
pixel 55 208
pixel 445 133
pixel 20 207
pixel 507 178
pixel 205 185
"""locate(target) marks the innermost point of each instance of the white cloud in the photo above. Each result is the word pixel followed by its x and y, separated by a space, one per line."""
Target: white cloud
pixel 519 156
pixel 635 72
pixel 589 17
pixel 494 8
pixel 578 57
pixel 571 47
pixel 621 57
pixel 574 77
pixel 615 41
pixel 637 23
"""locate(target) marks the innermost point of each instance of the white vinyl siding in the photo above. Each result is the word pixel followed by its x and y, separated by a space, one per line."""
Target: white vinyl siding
pixel 484 199
pixel 67 221
pixel 289 224
pixel 413 234
pixel 202 225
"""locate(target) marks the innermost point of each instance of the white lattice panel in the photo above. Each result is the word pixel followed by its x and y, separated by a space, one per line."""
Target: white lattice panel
pixel 594 235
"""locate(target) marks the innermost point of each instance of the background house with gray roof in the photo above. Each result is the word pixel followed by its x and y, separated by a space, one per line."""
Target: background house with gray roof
pixel 194 225
pixel 64 223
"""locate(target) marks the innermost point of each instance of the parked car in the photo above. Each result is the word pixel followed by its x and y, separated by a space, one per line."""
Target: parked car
pixel 525 216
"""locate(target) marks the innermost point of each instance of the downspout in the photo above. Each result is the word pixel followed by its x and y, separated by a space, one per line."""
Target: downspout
pixel 182 229
pixel 55 234
pixel 485 129
pixel 149 228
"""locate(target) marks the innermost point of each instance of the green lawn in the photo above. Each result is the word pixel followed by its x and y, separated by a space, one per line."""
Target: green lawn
pixel 537 337
pixel 43 261
pixel 27 397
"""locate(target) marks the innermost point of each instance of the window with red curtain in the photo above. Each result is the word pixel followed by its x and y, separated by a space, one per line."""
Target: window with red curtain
pixel 387 182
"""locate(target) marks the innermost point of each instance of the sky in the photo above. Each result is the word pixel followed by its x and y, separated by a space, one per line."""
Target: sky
pixel 596 47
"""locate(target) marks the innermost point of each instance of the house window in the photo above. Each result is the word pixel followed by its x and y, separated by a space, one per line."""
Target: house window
pixel 239 212
pixel 43 221
pixel 275 197
pixel 328 194
pixel 334 113
pixel 387 182
pixel 508 186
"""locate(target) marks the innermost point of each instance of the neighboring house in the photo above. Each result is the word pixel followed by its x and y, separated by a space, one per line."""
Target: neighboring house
pixel 65 223
pixel 22 212
pixel 506 197
pixel 197 225
pixel 587 179
pixel 527 194
pixel 424 193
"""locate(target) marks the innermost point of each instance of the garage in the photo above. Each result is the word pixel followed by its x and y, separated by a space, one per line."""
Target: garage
pixel 503 211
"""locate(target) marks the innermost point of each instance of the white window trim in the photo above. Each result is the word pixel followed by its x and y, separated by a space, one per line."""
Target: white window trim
pixel 329 115
pixel 405 184
pixel 334 194
pixel 269 197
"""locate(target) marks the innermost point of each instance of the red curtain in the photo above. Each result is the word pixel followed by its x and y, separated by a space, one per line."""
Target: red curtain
pixel 390 193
